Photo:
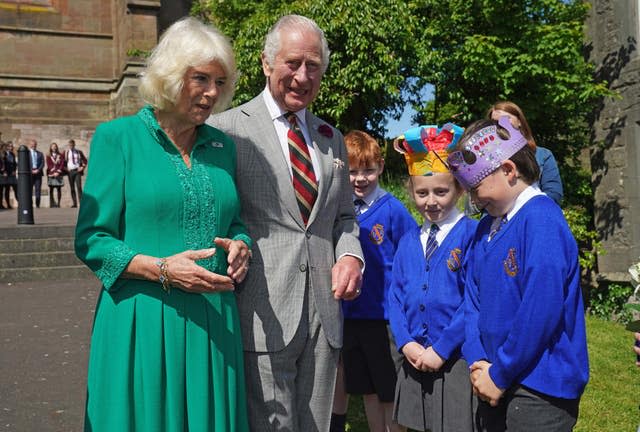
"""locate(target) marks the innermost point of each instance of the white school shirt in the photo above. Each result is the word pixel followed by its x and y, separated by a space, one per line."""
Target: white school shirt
pixel 525 195
pixel 444 226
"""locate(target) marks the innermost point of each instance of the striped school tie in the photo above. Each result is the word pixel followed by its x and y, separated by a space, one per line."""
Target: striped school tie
pixel 503 222
pixel 359 204
pixel 432 243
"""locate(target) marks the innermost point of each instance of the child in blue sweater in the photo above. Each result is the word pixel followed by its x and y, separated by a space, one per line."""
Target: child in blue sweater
pixel 524 318
pixel 425 300
pixel 368 363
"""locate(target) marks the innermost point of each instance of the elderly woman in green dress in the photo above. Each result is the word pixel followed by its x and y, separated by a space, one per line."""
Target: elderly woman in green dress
pixel 159 226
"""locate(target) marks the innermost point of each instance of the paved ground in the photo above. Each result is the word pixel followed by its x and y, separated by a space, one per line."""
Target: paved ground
pixel 44 344
pixel 41 216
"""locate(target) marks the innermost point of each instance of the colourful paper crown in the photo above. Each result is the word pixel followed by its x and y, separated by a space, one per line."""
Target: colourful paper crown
pixel 484 152
pixel 425 148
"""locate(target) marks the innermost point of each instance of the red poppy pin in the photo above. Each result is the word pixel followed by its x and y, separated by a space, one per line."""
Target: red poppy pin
pixel 325 130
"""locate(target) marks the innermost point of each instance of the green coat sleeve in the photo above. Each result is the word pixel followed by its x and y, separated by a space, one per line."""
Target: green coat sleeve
pixel 99 234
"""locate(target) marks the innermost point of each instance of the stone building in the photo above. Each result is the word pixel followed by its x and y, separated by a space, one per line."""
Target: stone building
pixel 65 65
pixel 613 30
pixel 68 65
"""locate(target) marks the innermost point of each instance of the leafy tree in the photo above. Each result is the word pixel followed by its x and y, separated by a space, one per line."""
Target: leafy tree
pixel 528 51
pixel 373 45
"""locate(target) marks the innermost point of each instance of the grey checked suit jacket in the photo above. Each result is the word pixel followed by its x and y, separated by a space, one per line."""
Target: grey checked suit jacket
pixel 271 298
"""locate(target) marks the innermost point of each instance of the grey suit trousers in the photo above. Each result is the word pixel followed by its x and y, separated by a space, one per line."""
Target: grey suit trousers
pixel 297 383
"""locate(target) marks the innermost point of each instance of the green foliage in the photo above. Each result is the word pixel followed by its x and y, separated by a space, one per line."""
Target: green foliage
pixel 580 222
pixel 474 52
pixel 136 52
pixel 608 301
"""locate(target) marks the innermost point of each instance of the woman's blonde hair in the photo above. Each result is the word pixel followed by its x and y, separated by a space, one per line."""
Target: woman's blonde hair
pixel 186 43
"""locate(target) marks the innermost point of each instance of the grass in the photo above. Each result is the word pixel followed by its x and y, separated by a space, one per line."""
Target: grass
pixel 610 401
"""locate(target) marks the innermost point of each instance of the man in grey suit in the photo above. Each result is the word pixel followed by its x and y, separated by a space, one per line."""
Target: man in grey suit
pixel 302 264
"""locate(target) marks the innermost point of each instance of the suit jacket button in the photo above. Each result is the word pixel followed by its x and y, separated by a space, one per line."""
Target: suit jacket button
pixel 303 267
pixel 307 234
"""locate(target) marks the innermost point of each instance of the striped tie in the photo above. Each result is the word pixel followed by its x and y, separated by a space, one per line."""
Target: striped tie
pixel 494 231
pixel 432 243
pixel 304 179
pixel 359 205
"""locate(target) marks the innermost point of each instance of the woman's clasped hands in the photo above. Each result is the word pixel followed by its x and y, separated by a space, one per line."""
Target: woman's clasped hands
pixel 183 271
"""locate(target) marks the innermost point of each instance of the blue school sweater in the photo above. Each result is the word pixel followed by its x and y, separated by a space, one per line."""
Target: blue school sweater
pixel 426 304
pixel 381 228
pixel 523 303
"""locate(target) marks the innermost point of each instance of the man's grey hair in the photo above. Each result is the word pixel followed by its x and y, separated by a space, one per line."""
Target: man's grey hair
pixel 289 23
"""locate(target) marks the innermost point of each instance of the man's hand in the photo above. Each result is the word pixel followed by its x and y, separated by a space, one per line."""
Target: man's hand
pixel 346 278
pixel 238 255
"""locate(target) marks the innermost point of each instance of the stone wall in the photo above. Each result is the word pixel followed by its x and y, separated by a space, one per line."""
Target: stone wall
pixel 613 29
pixel 68 65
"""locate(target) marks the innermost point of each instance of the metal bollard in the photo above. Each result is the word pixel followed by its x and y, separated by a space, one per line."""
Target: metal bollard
pixel 25 204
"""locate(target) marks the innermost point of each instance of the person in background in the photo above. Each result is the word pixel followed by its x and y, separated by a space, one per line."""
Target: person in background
pixel 369 358
pixel 550 182
pixel 3 172
pixel 293 180
pixel 55 174
pixel 525 335
pixel 426 297
pixel 37 169
pixel 76 161
pixel 159 225
pixel 10 167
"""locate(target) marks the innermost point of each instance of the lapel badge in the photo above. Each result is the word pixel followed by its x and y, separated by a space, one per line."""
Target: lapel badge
pixel 338 163
pixel 216 144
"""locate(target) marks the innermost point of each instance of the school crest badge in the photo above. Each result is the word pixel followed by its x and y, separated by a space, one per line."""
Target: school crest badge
pixel 510 263
pixel 454 260
pixel 376 235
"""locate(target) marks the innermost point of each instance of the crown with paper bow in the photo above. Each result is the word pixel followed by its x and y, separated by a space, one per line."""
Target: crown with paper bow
pixel 484 152
pixel 425 148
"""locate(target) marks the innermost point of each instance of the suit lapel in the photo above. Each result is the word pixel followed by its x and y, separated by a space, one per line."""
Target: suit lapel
pixel 272 156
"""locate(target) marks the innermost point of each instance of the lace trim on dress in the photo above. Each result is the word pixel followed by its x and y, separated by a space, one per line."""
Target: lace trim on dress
pixel 199 205
pixel 114 264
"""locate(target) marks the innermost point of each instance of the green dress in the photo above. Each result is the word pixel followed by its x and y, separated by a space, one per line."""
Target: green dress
pixel 160 361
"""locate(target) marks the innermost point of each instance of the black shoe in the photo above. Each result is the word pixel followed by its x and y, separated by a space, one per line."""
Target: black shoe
pixel 74 206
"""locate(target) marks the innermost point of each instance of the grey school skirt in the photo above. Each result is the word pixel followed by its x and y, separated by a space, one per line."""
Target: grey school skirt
pixel 435 401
